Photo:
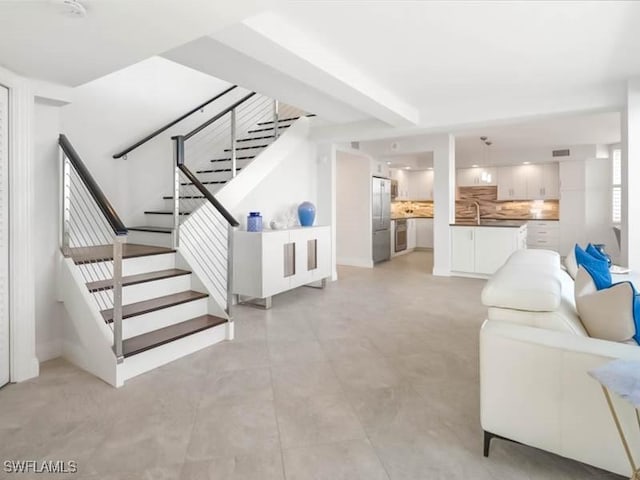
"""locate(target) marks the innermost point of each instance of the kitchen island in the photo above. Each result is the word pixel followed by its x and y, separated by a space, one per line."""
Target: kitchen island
pixel 479 249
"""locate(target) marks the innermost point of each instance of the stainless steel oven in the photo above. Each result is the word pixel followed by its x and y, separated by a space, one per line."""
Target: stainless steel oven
pixel 401 235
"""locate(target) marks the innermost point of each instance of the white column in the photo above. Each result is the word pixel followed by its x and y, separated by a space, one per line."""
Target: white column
pixel 630 238
pixel 444 194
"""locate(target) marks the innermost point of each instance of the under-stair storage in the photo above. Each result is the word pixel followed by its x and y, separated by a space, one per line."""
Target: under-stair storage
pixel 273 261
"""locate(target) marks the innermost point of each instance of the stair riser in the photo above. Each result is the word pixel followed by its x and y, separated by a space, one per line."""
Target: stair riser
pixel 185 205
pixel 162 220
pixel 151 238
pixel 149 290
pixel 156 357
pixel 130 266
pixel 165 317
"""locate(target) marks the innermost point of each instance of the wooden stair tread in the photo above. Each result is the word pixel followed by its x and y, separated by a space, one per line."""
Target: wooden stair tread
pixel 290 119
pixel 212 182
pixel 190 197
pixel 103 253
pixel 251 139
pixel 137 279
pixel 252 147
pixel 228 159
pixel 151 228
pixel 165 212
pixel 218 170
pixel 154 304
pixel 147 341
pixel 270 129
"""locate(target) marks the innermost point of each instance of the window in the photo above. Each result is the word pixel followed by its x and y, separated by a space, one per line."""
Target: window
pixel 616 191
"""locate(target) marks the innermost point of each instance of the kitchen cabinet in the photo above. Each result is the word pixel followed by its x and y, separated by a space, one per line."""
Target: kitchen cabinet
pixel 273 261
pixel 472 177
pixel 543 234
pixel 424 232
pixel 411 234
pixel 379 169
pixel 420 185
pixel 529 182
pixel 481 250
pixel 403 183
pixel 463 248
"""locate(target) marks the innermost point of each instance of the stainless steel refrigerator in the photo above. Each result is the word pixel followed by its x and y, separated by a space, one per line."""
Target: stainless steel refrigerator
pixel 381 221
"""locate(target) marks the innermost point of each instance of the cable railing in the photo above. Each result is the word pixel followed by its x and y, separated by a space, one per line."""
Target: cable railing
pixel 93 235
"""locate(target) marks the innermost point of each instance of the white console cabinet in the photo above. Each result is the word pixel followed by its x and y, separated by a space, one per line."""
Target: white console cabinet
pixel 273 261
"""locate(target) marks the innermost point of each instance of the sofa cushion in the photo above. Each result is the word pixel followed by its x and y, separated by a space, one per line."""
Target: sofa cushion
pixel 571 263
pixel 607 313
pixel 529 280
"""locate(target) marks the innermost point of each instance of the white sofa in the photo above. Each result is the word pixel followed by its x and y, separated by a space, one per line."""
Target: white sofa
pixel 534 359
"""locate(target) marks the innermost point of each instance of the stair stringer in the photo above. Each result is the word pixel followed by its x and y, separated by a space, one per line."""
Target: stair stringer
pixel 197 231
pixel 87 339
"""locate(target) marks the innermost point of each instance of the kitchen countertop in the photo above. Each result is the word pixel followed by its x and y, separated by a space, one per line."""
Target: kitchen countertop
pixel 410 216
pixel 491 223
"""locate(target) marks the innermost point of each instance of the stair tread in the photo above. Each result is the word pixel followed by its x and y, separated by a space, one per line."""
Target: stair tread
pixel 270 129
pixel 147 341
pixel 252 147
pixel 251 139
pixel 137 279
pixel 218 170
pixel 154 304
pixel 290 119
pixel 166 212
pixel 228 159
pixel 151 228
pixel 217 182
pixel 102 253
pixel 170 197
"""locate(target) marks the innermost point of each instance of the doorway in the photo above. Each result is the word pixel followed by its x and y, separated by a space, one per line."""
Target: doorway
pixel 4 236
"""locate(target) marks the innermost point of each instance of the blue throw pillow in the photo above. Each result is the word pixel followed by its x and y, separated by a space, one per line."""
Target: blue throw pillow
pixel 594 252
pixel 636 316
pixel 597 267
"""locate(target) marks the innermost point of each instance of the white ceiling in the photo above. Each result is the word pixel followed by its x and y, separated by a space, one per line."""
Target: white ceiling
pixel 466 61
pixel 38 41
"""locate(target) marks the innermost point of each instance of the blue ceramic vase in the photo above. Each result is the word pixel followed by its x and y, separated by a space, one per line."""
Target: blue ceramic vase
pixel 306 214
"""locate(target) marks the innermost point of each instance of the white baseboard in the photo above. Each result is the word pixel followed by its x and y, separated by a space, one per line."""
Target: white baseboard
pixel 355 262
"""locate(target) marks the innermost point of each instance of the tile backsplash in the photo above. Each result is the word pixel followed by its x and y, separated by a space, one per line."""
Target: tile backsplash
pixel 490 207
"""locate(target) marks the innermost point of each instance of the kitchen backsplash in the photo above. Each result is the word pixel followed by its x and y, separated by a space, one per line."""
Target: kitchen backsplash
pixel 490 207
pixel 408 208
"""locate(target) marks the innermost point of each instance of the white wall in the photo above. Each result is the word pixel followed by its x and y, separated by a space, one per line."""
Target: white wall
pixel 279 193
pixel 353 209
pixel 114 111
pixel 49 312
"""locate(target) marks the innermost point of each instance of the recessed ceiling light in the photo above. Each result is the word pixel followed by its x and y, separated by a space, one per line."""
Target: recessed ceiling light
pixel 407 168
pixel 526 163
pixel 475 165
pixel 388 163
pixel 430 168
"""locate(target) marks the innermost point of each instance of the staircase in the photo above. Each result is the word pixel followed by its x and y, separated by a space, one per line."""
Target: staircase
pixel 142 296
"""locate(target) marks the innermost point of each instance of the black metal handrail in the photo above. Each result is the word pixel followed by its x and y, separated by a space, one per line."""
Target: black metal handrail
pixel 208 195
pixel 218 116
pixel 171 124
pixel 179 156
pixel 96 192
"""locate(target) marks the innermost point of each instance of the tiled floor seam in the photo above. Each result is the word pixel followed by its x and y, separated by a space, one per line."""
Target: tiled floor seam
pixel 275 412
pixel 344 393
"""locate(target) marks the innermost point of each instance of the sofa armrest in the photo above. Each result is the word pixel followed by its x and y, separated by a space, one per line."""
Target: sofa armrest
pixel 534 389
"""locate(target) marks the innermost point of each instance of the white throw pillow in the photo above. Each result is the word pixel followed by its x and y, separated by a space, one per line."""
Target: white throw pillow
pixel 606 314
pixel 571 263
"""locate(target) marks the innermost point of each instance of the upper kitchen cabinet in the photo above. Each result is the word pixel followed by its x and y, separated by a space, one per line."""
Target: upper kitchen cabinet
pixel 413 185
pixel 420 185
pixel 512 182
pixel 472 177
pixel 380 169
pixel 529 182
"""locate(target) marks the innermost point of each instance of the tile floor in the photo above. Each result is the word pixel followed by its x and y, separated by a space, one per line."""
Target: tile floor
pixel 375 377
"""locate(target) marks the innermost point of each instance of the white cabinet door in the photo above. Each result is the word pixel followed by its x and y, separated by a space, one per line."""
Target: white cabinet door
pixel 551 181
pixel 411 233
pixel 467 177
pixel 505 183
pixel 494 246
pixel 429 184
pixel 463 249
pixel 403 183
pixel 279 261
pixel 519 182
pixel 535 181
pixel 424 232
pixel 4 237
pixel 420 185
